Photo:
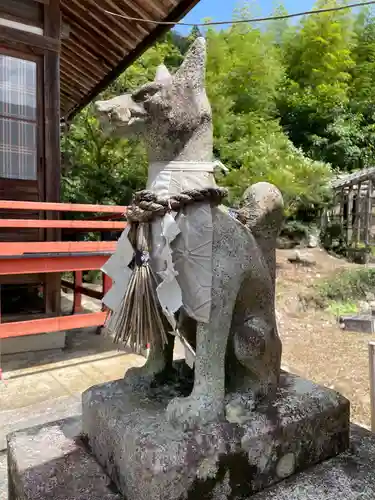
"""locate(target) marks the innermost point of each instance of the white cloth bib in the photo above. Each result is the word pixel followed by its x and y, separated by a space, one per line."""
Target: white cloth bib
pixel 181 252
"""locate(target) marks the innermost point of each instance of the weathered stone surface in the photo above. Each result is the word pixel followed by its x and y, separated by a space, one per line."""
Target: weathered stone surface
pixel 148 458
pixel 38 414
pixel 50 462
pixel 313 240
pixel 302 258
pixel 3 476
pixel 350 476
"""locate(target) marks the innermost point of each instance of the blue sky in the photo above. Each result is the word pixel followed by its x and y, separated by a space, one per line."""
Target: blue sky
pixel 219 10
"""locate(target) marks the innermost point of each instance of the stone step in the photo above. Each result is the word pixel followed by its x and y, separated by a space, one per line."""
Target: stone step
pixel 38 414
pixel 360 323
pixel 50 462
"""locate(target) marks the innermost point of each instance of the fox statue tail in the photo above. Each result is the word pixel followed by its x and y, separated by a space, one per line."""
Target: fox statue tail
pixel 263 213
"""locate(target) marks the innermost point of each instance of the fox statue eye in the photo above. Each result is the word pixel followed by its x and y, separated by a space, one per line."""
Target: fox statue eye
pixel 146 92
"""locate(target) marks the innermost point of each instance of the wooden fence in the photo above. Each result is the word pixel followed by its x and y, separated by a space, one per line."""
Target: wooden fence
pixel 57 257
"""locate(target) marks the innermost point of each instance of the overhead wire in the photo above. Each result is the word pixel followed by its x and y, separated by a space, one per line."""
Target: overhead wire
pixel 242 21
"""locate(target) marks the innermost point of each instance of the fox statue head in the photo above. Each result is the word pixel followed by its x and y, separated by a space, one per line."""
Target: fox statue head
pixel 172 114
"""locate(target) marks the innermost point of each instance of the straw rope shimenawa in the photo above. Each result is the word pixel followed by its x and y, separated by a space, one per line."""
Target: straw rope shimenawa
pixel 140 320
pixel 147 206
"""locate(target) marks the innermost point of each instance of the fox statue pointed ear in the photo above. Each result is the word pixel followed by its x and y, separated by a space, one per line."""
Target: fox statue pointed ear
pixel 162 74
pixel 193 70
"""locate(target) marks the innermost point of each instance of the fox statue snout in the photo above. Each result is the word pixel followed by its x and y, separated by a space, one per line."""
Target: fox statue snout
pixel 126 112
pixel 120 114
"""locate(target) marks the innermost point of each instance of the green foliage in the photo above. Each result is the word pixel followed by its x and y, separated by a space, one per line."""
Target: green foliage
pixel 342 308
pixel 349 285
pixel 319 61
pixel 107 170
pixel 268 155
pixel 362 92
pixel 97 168
pixel 292 103
pixel 246 65
pixel 296 230
pixel 333 238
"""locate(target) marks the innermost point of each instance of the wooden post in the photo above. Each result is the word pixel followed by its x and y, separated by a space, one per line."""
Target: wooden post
pixel 342 203
pixel 106 285
pixel 357 221
pixel 77 301
pixel 371 351
pixel 369 213
pixel 349 216
pixel 52 29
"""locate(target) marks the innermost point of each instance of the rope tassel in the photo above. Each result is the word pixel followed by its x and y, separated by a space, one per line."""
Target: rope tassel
pixel 140 321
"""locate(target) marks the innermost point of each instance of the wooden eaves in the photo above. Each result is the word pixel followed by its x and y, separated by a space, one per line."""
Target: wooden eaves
pixel 97 47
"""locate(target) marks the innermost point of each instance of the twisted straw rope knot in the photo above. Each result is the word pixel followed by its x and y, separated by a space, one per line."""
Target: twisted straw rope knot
pixel 147 206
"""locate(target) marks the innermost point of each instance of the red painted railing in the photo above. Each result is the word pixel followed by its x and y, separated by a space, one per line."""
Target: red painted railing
pixel 59 256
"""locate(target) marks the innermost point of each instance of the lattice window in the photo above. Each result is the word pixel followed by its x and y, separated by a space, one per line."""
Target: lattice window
pixel 18 118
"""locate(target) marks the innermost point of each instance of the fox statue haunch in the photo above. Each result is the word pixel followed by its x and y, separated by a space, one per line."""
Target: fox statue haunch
pixel 238 349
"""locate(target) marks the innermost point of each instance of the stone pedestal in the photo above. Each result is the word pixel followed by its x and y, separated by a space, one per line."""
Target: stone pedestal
pixel 148 458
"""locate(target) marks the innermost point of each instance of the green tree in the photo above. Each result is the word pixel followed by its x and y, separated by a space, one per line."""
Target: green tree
pixel 244 76
pixel 316 91
pixel 362 91
pixel 246 82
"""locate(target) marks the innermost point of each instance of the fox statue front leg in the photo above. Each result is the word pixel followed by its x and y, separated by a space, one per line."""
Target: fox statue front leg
pixel 230 265
pixel 158 364
pixel 206 401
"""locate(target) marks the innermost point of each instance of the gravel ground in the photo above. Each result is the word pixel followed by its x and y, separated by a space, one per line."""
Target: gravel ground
pixel 313 344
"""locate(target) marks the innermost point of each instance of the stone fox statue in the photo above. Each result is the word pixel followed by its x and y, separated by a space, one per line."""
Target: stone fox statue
pixel 236 342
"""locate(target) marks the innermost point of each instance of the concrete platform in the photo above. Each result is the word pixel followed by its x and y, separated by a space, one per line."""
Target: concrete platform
pixel 41 387
pixel 350 476
pixel 149 458
pixel 27 343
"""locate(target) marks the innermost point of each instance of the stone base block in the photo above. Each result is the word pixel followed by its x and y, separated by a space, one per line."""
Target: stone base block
pixel 349 476
pixel 149 459
pixel 51 463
